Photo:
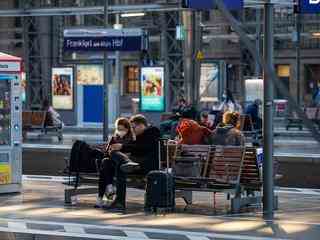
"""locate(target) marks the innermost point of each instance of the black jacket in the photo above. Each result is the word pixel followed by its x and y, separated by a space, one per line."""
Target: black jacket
pixel 146 146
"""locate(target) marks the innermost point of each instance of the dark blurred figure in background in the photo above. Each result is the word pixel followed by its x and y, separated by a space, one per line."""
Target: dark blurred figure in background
pixel 253 111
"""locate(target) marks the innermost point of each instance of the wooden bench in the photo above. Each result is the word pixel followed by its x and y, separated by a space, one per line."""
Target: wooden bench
pixel 36 121
pixel 230 170
pixel 85 183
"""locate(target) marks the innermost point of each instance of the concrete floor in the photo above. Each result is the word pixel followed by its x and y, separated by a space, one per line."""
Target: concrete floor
pixel 39 213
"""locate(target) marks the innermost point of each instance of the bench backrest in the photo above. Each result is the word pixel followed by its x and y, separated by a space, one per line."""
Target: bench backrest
pixel 38 118
pixel 250 174
pixel 27 118
pixel 227 164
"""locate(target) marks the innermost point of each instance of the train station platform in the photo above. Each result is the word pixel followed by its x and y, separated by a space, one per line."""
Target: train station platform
pixel 39 213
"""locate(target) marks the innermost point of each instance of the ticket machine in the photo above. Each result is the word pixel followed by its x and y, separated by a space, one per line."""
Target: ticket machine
pixel 10 124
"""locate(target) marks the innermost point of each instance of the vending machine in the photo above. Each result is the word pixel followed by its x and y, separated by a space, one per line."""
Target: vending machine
pixel 10 124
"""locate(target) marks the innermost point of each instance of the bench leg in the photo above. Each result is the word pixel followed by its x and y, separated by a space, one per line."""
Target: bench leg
pixel 237 202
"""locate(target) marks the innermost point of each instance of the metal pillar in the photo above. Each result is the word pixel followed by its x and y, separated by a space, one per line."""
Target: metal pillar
pixel 189 54
pixel 298 54
pixel 116 83
pixel 172 50
pixel 268 181
pixel 106 79
pixel 37 56
pixel 258 41
pixel 197 63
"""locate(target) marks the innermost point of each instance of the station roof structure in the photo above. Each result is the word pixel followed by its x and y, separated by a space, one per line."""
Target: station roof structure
pixel 118 9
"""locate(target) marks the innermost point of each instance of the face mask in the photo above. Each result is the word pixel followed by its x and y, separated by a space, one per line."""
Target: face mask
pixel 121 133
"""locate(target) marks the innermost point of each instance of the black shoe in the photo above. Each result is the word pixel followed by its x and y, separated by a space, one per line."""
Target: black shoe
pixel 130 167
pixel 115 206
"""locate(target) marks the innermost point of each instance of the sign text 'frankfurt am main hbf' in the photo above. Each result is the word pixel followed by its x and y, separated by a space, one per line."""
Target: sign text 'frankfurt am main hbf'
pixel 309 6
pixel 105 40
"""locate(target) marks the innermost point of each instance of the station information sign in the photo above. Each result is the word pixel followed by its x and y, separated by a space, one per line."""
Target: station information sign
pixel 309 6
pixel 210 4
pixel 152 89
pixel 88 39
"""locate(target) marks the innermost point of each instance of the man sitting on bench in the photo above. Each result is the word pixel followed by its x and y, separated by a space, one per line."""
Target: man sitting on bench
pixel 143 156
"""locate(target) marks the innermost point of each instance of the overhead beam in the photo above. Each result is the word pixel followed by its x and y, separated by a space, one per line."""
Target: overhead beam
pixel 97 10
pixel 118 9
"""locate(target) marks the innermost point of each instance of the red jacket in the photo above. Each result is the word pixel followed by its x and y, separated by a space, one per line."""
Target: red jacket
pixel 192 133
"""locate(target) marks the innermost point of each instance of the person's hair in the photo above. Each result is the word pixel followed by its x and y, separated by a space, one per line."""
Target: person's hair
pixel 204 114
pixel 229 96
pixel 126 123
pixel 231 118
pixel 182 100
pixel 139 119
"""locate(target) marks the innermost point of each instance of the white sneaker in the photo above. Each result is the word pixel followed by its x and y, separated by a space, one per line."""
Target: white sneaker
pixel 110 192
pixel 99 203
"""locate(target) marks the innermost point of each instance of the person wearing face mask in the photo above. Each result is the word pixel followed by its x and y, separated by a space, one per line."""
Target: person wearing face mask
pixel 229 104
pixel 144 157
pixel 123 135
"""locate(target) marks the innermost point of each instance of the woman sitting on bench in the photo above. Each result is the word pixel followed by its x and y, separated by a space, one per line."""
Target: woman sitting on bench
pixel 227 133
pixel 123 134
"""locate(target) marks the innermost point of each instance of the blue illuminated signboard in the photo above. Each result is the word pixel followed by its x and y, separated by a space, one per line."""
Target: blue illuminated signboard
pixel 152 89
pixel 105 40
pixel 210 4
pixel 309 6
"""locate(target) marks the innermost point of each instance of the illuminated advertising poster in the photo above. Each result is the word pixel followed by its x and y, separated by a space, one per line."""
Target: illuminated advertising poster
pixel 90 74
pixel 209 81
pixel 62 88
pixel 152 89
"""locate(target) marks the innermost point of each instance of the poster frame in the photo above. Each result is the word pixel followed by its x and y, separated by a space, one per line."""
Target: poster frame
pixel 72 87
pixel 164 88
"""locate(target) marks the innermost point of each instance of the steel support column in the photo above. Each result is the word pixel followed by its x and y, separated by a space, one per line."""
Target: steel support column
pixel 197 62
pixel 189 54
pixel 298 55
pixel 268 180
pixel 172 53
pixel 106 71
pixel 37 56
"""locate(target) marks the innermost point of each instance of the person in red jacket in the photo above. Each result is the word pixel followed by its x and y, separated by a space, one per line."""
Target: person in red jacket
pixel 191 133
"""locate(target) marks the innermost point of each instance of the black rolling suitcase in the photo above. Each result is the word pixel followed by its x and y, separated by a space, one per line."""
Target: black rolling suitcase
pixel 160 192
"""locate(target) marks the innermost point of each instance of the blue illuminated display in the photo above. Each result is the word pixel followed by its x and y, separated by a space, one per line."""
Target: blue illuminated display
pixel 309 6
pixel 210 4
